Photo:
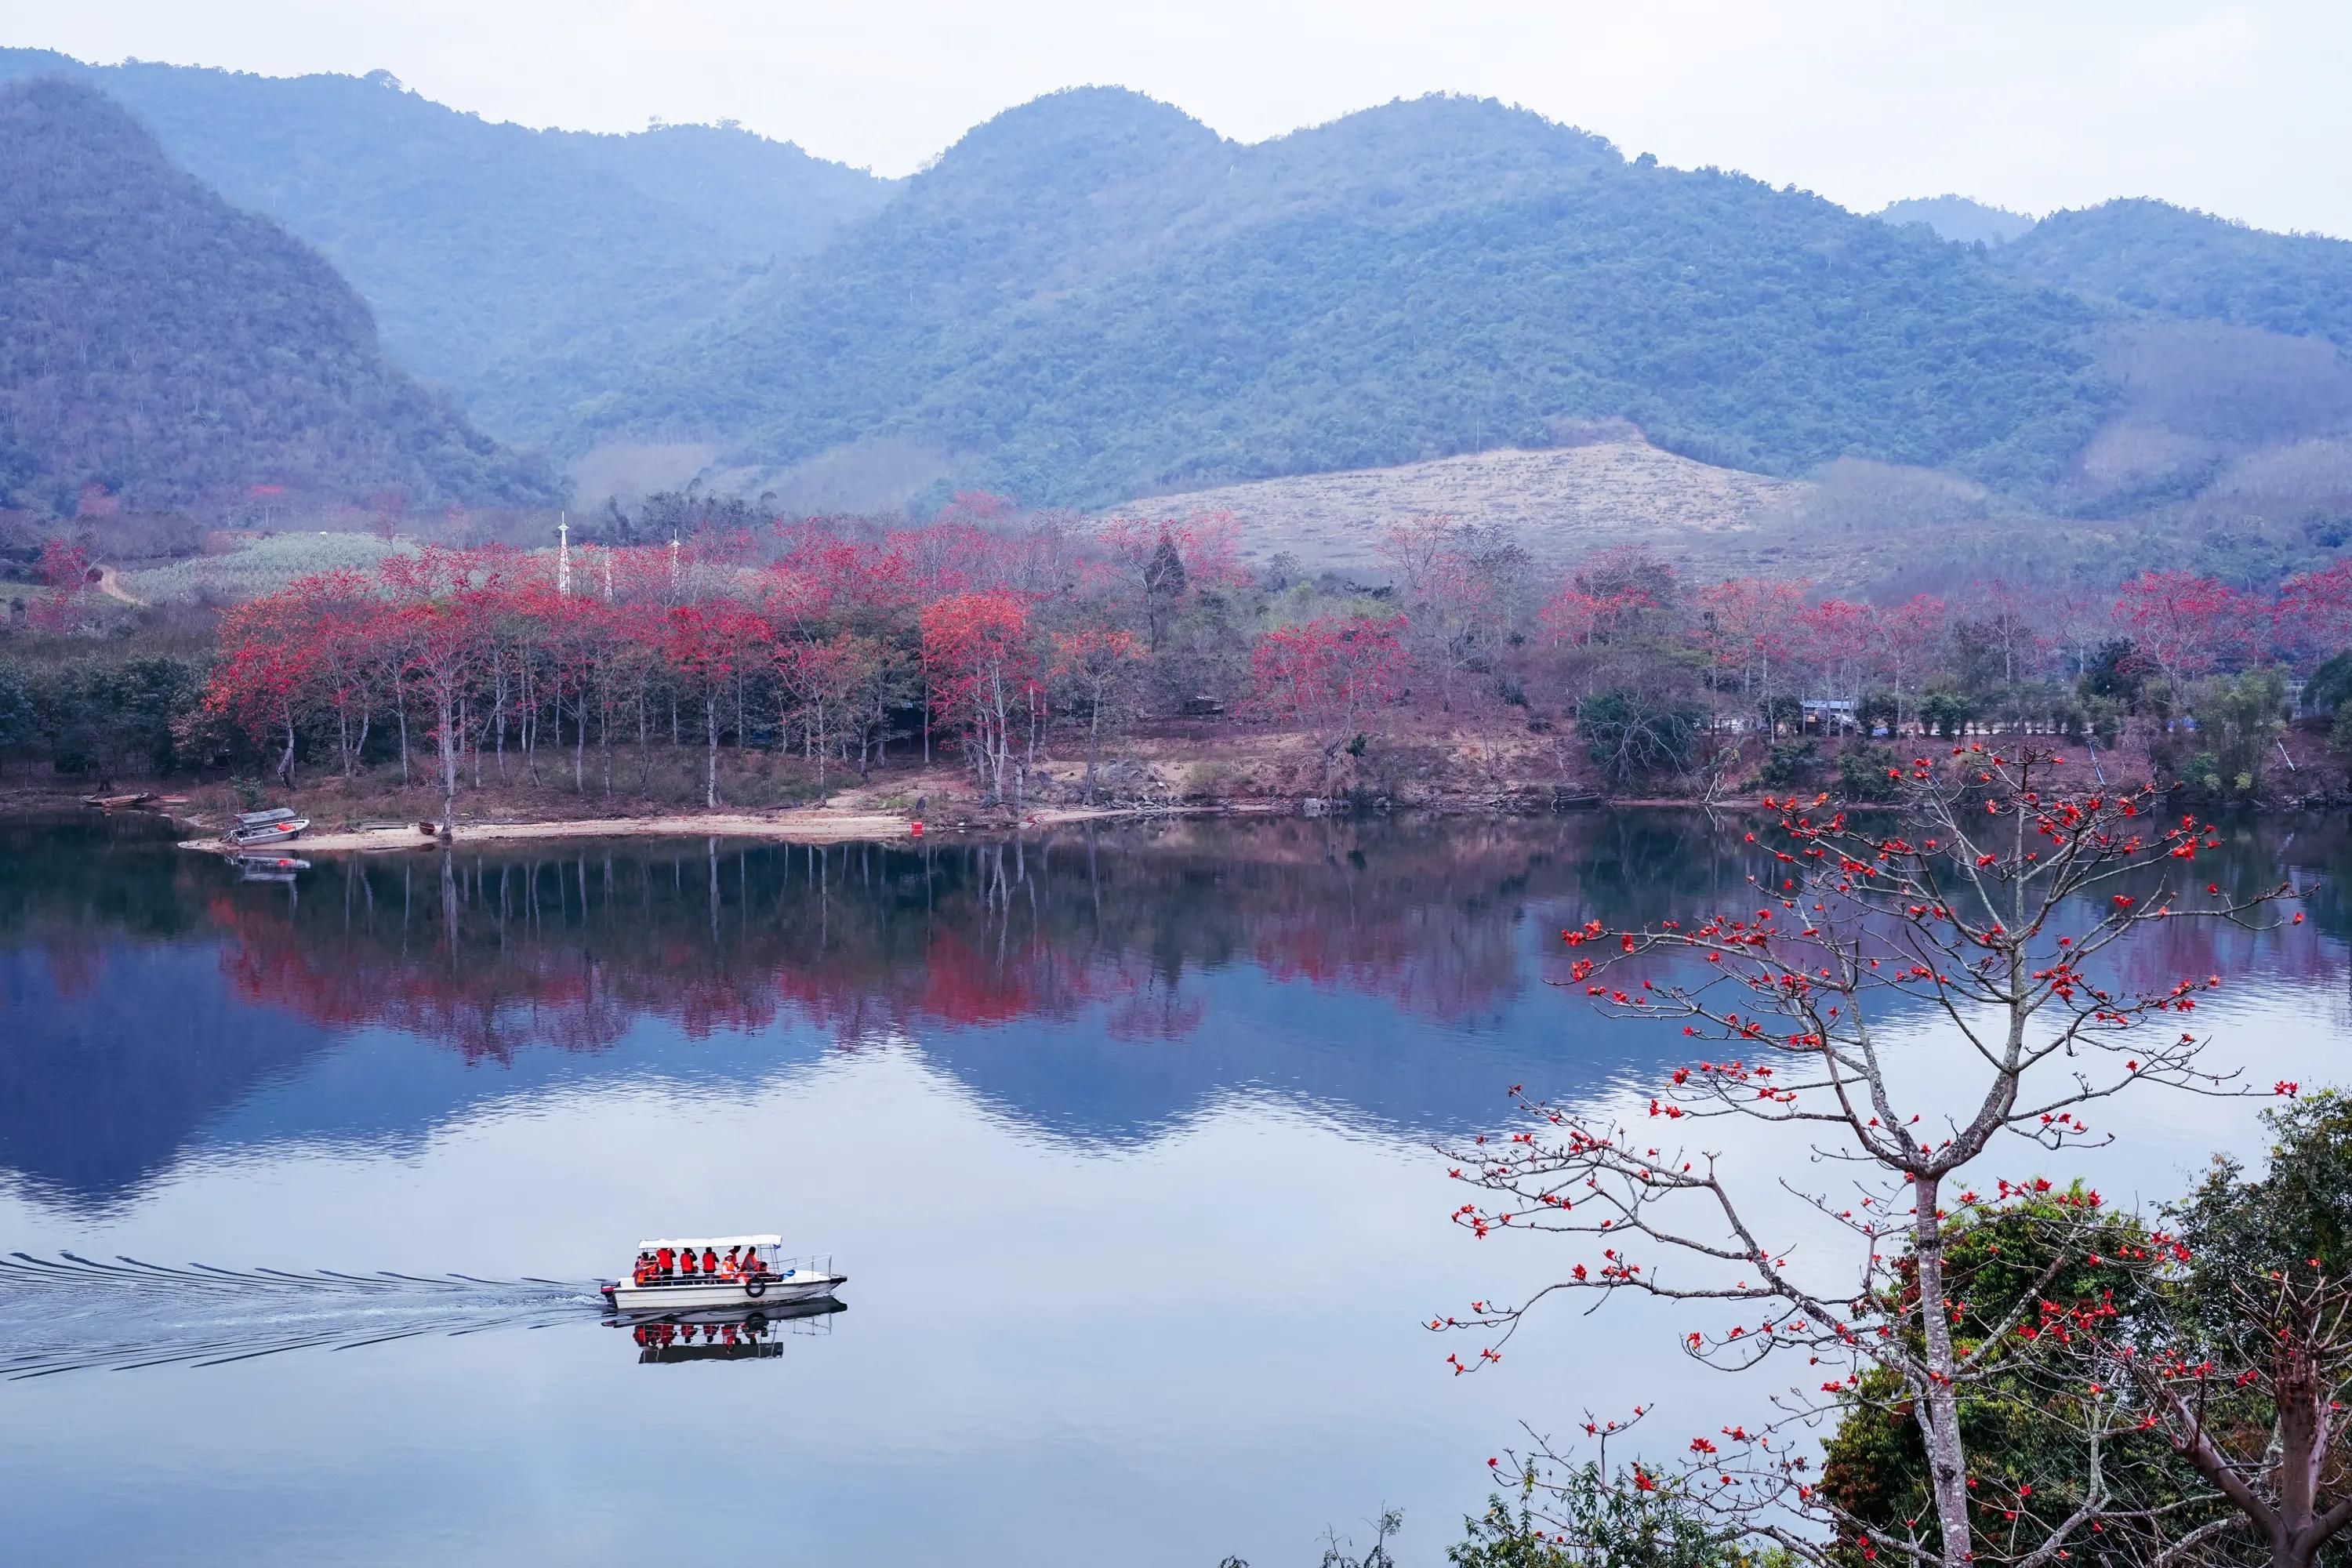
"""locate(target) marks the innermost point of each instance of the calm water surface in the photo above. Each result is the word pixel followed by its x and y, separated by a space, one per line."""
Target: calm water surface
pixel 1122 1138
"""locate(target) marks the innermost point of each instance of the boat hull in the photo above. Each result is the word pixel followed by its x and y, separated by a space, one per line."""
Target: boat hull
pixel 698 1296
pixel 276 833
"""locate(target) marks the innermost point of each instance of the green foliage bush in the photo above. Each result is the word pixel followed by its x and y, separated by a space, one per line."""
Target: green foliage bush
pixel 94 716
pixel 1788 762
pixel 1592 1518
pixel 2240 720
pixel 1947 711
pixel 1862 773
pixel 1630 736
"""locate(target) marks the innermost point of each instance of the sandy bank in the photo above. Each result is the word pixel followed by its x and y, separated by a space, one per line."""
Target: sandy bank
pixel 778 826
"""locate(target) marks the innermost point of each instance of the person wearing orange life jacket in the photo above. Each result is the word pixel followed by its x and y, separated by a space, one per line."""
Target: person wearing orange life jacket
pixel 686 1262
pixel 732 1267
pixel 666 1259
pixel 710 1261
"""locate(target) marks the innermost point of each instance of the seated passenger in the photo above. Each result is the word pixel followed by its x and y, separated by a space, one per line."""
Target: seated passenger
pixel 686 1262
pixel 668 1259
pixel 733 1267
pixel 710 1260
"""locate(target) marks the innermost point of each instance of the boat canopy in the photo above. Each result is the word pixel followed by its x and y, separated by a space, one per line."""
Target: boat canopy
pixel 700 1242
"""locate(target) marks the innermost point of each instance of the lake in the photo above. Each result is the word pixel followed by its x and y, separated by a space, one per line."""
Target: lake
pixel 1122 1136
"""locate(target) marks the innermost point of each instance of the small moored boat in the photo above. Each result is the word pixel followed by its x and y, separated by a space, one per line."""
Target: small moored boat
pixel 759 1274
pixel 254 828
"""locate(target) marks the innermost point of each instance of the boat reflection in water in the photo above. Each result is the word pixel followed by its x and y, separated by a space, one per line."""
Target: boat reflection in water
pixel 726 1336
pixel 267 867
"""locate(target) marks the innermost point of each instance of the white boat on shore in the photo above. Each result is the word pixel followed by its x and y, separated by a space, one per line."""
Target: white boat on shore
pixel 254 828
pixel 749 1272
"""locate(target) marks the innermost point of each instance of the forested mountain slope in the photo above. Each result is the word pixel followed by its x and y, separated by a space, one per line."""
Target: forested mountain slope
pixel 482 245
pixel 2153 256
pixel 1094 295
pixel 1957 218
pixel 160 345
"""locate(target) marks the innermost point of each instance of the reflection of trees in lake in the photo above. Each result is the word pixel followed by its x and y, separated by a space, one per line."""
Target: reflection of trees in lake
pixel 145 994
pixel 494 951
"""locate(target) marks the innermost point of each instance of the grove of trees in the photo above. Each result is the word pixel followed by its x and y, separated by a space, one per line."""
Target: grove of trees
pixel 1009 642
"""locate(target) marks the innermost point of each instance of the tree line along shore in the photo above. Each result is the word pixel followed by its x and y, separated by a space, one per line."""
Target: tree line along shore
pixel 987 665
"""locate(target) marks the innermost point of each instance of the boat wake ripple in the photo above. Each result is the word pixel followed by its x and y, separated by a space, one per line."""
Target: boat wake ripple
pixel 74 1313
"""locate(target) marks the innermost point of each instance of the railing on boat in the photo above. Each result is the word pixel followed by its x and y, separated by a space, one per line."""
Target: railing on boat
pixel 780 1272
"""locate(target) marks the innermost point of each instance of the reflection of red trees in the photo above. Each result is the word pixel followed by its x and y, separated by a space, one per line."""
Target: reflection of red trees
pixel 863 944
pixel 74 969
pixel 484 1011
pixel 554 953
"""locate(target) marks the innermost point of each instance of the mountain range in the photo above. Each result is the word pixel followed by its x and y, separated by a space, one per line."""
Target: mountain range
pixel 159 346
pixel 1093 297
pixel 479 243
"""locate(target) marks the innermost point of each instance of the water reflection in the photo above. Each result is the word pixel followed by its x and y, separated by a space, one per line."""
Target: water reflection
pixel 676 1337
pixel 1100 985
pixel 1123 1134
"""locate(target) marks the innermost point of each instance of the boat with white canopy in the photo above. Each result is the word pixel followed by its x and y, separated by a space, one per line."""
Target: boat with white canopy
pixel 254 828
pixel 738 1272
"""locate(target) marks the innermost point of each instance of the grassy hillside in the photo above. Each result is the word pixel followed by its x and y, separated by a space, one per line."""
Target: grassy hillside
pixel 485 247
pixel 1561 504
pixel 2152 255
pixel 162 345
pixel 1092 294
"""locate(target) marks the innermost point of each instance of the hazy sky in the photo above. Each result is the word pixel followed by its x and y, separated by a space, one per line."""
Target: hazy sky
pixel 2238 108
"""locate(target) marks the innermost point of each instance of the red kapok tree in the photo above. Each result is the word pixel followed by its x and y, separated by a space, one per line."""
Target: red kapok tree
pixel 705 645
pixel 268 674
pixel 1998 907
pixel 976 648
pixel 1330 673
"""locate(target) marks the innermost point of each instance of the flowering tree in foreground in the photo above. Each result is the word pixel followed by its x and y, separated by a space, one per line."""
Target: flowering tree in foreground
pixel 1998 908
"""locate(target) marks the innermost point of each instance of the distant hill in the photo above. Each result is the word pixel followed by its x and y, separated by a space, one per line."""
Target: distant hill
pixel 1957 218
pixel 1854 527
pixel 2152 255
pixel 1562 503
pixel 484 246
pixel 158 343
pixel 1094 295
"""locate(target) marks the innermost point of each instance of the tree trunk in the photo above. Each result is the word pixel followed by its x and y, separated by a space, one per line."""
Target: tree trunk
pixel 1937 1405
pixel 816 743
pixel 449 737
pixel 1094 743
pixel 710 757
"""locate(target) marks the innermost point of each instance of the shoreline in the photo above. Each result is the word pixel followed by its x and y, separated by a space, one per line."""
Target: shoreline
pixel 793 827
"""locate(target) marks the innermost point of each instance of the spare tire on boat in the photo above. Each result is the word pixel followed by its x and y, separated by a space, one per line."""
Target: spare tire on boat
pixel 755 1287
